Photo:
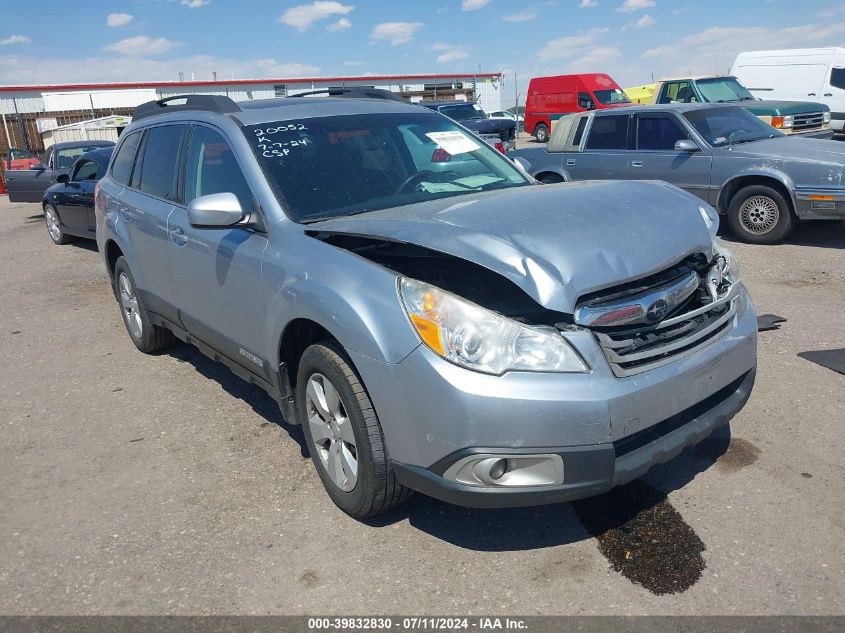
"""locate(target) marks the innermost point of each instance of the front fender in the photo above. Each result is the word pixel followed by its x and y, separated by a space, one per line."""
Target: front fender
pixel 352 298
pixel 758 172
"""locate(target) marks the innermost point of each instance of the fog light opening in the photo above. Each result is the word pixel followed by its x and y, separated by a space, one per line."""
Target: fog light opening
pixel 498 469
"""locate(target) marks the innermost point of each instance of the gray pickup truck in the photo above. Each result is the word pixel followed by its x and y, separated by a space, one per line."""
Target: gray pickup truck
pixel 458 331
pixel 762 180
pixel 29 185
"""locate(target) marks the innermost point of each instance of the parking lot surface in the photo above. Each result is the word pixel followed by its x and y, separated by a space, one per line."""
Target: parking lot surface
pixel 133 484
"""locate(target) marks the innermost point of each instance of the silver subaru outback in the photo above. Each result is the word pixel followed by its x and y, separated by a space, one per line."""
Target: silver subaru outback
pixel 434 319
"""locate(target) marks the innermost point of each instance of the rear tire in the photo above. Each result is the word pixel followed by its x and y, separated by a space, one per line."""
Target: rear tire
pixel 760 215
pixel 541 133
pixel 54 226
pixel 343 434
pixel 147 337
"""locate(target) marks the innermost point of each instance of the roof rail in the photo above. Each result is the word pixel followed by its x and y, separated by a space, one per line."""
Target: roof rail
pixel 355 93
pixel 209 103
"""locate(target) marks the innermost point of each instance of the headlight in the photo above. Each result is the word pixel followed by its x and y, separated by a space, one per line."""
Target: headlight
pixel 826 117
pixel 710 217
pixel 731 270
pixel 476 338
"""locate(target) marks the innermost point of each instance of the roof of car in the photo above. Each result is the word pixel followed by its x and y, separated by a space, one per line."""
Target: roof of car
pixel 677 107
pixel 72 144
pixel 100 155
pixel 695 77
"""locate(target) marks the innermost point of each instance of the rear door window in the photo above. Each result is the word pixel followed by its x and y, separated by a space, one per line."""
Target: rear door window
pixel 159 161
pixel 122 166
pixel 658 132
pixel 609 132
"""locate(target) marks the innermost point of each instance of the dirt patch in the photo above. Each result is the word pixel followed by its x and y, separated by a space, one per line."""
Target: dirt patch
pixel 740 453
pixel 309 578
pixel 644 538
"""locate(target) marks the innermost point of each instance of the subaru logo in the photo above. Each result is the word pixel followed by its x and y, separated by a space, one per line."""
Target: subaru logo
pixel 656 311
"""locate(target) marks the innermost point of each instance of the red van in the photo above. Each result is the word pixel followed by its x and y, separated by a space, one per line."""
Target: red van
pixel 551 97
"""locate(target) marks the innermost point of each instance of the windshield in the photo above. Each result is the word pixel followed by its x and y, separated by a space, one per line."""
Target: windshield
pixel 723 89
pixel 65 158
pixel 610 97
pixel 463 112
pixel 345 165
pixel 729 126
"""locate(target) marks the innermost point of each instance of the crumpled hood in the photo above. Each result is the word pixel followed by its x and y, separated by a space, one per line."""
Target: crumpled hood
pixel 791 148
pixel 556 242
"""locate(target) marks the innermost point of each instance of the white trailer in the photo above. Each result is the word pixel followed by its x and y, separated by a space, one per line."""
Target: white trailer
pixel 102 129
pixel 803 74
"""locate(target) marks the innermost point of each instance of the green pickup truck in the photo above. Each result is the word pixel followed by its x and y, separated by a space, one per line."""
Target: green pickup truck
pixel 809 119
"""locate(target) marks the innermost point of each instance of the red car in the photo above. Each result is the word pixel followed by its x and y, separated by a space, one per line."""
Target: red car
pixel 551 97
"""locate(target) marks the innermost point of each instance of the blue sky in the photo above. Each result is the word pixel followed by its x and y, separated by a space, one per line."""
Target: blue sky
pixel 134 40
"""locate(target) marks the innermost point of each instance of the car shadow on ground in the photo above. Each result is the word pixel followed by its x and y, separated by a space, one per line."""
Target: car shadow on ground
pixel 507 529
pixel 265 406
pixel 819 233
pixel 512 529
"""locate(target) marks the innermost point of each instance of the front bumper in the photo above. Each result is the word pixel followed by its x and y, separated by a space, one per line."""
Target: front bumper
pixel 820 203
pixel 823 134
pixel 589 470
pixel 433 413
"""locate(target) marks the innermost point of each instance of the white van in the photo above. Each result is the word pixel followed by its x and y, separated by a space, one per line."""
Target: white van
pixel 801 74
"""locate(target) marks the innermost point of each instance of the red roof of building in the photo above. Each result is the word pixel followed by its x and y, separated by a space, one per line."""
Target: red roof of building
pixel 239 82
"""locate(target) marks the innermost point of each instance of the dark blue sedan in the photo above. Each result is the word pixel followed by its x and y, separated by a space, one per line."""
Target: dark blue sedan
pixel 69 204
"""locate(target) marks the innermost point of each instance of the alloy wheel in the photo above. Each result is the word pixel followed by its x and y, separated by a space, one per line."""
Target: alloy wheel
pixel 53 225
pixel 759 215
pixel 129 305
pixel 331 431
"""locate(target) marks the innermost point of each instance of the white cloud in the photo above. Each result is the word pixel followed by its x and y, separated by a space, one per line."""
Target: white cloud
pixel 473 5
pixel 304 16
pixel 196 4
pixel 15 39
pixel 570 45
pixel 635 5
pixel 119 19
pixel 830 12
pixel 521 16
pixel 643 22
pixel 141 45
pixel 595 60
pixel 715 48
pixel 587 4
pixel 341 25
pixel 449 52
pixel 395 32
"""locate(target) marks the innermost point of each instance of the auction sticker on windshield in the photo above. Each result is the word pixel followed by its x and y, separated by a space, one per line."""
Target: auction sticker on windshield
pixel 453 142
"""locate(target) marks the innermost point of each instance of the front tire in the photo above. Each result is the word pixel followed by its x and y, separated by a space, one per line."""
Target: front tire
pixel 760 215
pixel 147 337
pixel 541 133
pixel 54 226
pixel 343 434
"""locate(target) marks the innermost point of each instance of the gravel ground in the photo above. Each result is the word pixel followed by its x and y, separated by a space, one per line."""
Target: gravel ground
pixel 133 484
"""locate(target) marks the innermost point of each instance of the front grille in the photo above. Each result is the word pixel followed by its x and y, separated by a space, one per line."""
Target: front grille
pixel 803 122
pixel 633 349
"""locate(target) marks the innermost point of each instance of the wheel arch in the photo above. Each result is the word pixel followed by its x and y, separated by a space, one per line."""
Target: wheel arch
pixel 553 172
pixel 778 181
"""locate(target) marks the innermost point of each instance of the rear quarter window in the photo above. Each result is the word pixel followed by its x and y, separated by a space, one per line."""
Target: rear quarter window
pixel 122 166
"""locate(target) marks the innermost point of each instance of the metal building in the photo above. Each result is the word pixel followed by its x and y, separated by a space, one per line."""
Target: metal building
pixel 28 111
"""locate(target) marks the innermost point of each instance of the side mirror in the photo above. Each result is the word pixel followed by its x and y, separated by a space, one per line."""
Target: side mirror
pixel 216 210
pixel 686 145
pixel 63 179
pixel 522 164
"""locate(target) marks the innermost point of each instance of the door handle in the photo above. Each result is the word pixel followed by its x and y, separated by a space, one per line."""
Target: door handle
pixel 570 161
pixel 636 163
pixel 178 237
pixel 811 94
pixel 828 94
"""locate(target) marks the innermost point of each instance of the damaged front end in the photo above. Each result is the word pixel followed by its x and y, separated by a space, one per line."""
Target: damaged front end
pixel 478 319
pixel 664 317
